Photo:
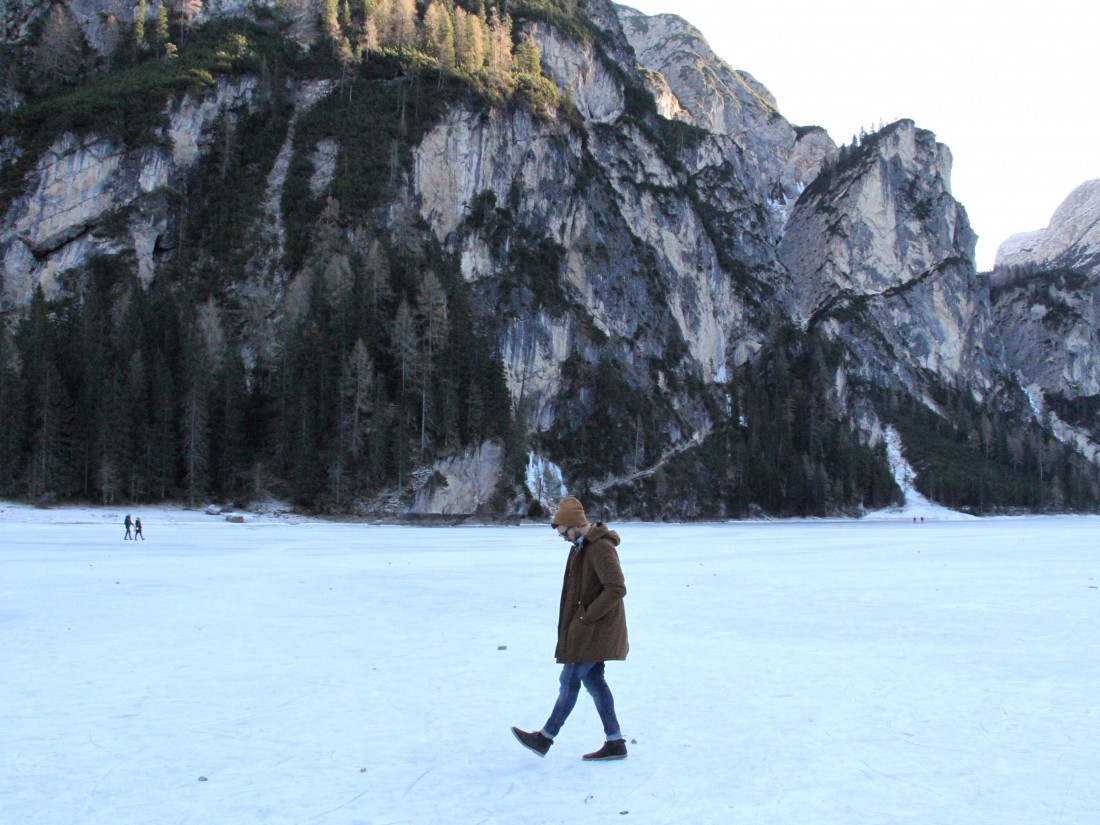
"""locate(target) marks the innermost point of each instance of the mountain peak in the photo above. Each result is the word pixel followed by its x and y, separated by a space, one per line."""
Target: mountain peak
pixel 1071 238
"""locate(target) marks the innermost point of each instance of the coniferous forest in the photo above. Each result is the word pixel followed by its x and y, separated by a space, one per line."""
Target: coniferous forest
pixel 128 395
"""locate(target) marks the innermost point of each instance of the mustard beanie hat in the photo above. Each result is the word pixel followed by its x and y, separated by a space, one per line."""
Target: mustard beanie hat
pixel 570 513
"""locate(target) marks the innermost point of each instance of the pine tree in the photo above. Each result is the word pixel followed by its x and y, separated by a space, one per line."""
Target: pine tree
pixel 439 36
pixel 469 42
pixel 434 329
pixel 230 458
pixel 193 415
pixel 404 346
pixel 352 425
pixel 49 468
pixel 164 35
pixel 528 57
pixel 12 414
pixel 193 437
pixel 133 437
pixel 188 12
pixel 359 392
pixel 373 293
pixel 167 354
pixel 397 23
pixel 330 19
pixel 90 340
pixel 140 13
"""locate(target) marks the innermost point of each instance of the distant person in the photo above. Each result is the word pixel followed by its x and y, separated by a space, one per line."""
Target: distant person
pixel 137 529
pixel 591 629
pixel 127 521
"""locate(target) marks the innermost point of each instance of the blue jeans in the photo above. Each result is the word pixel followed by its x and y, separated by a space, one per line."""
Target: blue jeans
pixel 590 674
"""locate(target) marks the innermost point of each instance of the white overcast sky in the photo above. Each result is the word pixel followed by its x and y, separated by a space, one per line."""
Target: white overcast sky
pixel 1012 88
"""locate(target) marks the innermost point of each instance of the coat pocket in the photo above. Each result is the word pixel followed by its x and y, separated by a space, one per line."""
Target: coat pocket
pixel 580 637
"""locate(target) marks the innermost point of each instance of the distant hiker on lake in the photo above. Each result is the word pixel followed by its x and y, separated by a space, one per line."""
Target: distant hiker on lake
pixel 127 521
pixel 137 529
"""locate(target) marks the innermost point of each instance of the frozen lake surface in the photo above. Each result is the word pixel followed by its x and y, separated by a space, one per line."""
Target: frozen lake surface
pixel 298 671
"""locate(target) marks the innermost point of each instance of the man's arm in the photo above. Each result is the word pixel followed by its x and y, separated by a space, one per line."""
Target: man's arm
pixel 605 561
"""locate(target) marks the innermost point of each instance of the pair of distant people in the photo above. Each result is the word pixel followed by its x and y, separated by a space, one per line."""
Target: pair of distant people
pixel 135 524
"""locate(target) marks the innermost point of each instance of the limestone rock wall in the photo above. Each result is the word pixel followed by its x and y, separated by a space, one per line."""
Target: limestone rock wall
pixel 882 255
pixel 78 184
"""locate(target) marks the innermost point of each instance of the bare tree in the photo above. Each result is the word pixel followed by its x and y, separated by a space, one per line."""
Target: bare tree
pixel 59 57
pixel 359 378
pixel 396 21
pixel 189 12
pixel 499 53
pixel 404 340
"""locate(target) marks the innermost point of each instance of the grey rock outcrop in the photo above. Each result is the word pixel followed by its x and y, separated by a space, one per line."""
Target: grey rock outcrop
pixel 461 484
pixel 78 184
pixel 1046 290
pixel 881 254
pixel 1054 318
pixel 780 159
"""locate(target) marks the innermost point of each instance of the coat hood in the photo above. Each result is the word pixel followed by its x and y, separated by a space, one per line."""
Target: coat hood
pixel 602 531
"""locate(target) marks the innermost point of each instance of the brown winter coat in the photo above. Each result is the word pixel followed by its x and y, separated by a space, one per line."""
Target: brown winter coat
pixel 592 619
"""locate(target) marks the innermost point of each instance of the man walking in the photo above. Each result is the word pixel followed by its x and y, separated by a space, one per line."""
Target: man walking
pixel 591 629
pixel 128 522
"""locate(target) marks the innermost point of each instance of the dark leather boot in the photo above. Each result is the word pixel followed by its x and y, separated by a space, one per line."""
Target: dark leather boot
pixel 615 749
pixel 534 741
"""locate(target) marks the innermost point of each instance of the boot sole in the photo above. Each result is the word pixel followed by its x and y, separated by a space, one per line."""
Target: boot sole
pixel 603 758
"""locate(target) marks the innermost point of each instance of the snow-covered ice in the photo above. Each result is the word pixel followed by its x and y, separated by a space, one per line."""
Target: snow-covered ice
pixel 802 672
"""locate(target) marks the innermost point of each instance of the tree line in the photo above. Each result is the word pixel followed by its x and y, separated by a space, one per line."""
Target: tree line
pixel 130 394
pixel 780 442
pixel 989 458
pixel 473 38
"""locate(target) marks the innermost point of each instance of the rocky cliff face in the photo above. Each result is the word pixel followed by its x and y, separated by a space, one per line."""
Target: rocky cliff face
pixel 778 159
pixel 881 256
pixel 1046 289
pixel 653 272
pixel 79 184
pixel 639 264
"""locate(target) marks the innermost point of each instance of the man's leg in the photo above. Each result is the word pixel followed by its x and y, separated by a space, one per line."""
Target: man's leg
pixel 596 685
pixel 571 677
